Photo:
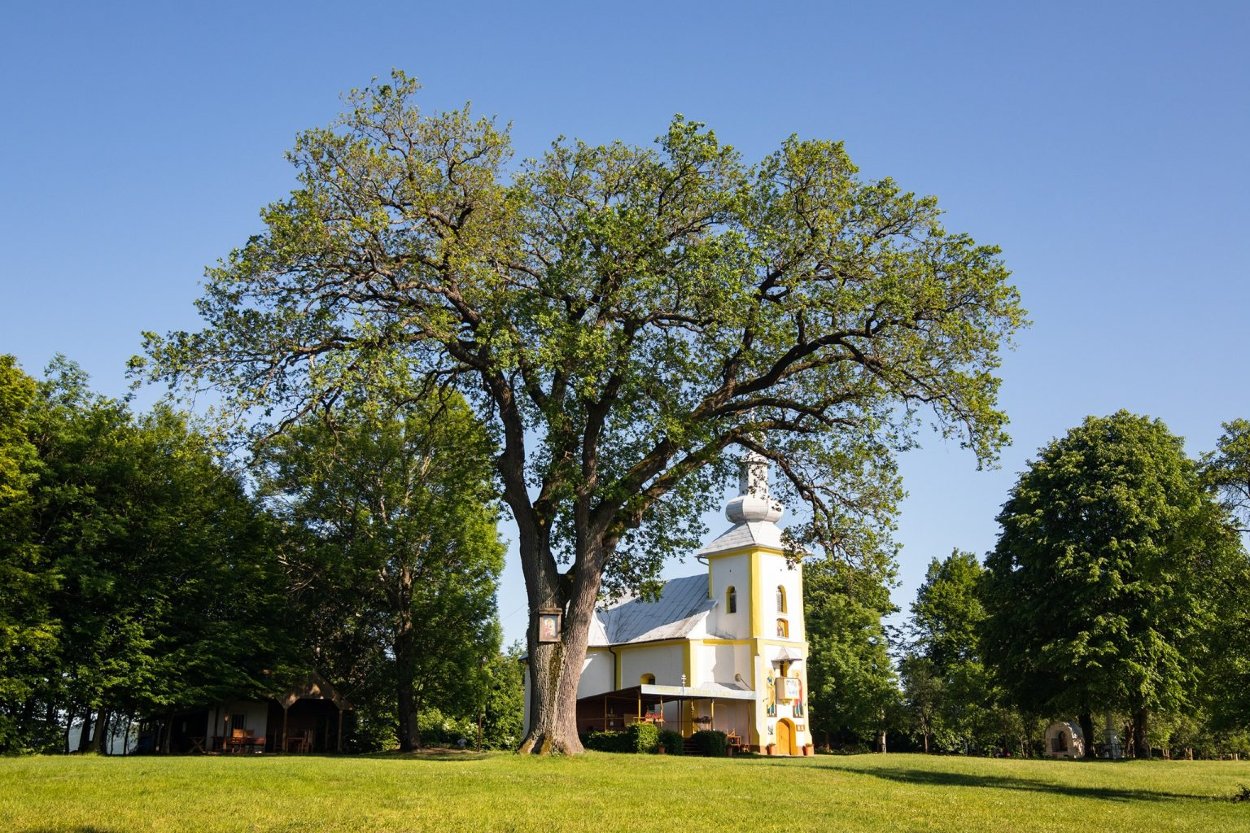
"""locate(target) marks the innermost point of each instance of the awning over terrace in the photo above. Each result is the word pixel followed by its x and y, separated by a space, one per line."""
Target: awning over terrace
pixel 645 704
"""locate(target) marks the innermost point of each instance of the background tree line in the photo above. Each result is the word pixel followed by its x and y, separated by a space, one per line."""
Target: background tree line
pixel 1118 595
pixel 142 573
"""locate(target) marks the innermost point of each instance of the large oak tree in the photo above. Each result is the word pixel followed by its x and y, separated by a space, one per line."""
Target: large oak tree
pixel 620 316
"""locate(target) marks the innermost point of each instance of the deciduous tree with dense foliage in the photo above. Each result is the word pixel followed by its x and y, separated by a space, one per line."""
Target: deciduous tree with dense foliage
pixel 392 551
pixel 946 684
pixel 853 690
pixel 28 631
pixel 1226 471
pixel 1109 580
pixel 621 317
pixel 154 574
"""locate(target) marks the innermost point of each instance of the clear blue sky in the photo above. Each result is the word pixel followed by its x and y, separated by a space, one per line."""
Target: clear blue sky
pixel 1102 145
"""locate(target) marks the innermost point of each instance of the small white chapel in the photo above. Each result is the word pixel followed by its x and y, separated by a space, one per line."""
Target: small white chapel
pixel 725 650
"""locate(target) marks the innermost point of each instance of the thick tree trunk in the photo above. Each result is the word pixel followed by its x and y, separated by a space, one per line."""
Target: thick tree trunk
pixel 69 727
pixel 84 739
pixel 1087 728
pixel 99 737
pixel 556 667
pixel 1141 740
pixel 552 712
pixel 405 665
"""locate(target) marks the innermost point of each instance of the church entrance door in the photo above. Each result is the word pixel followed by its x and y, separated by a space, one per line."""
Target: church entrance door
pixel 785 738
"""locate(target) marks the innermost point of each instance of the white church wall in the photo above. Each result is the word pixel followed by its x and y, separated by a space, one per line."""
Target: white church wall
pixel 730 571
pixel 667 662
pixel 776 571
pixel 720 662
pixel 598 673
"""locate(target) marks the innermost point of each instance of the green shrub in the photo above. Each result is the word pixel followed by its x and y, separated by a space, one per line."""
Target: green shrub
pixel 437 729
pixel 607 741
pixel 641 737
pixel 672 742
pixel 711 743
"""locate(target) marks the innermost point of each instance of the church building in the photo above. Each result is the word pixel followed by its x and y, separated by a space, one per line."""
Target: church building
pixel 723 650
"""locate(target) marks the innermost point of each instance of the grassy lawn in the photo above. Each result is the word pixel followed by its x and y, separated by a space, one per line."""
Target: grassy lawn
pixel 603 793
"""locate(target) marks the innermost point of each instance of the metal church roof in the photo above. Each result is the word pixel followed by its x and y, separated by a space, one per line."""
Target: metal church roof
pixel 682 604
pixel 753 533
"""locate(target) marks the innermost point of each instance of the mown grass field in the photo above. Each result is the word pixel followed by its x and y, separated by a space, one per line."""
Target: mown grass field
pixel 606 793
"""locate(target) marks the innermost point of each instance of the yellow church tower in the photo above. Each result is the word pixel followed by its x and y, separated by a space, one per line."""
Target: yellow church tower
pixel 757 623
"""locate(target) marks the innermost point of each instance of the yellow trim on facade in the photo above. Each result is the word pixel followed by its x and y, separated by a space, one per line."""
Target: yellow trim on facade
pixel 712 641
pixel 690 680
pixel 637 646
pixel 783 643
pixel 745 548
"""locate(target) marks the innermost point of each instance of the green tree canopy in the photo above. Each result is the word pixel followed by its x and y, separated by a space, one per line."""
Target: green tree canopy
pixel 853 690
pixel 621 317
pixel 947 614
pixel 1226 471
pixel 951 694
pixel 1105 588
pixel 392 551
pixel 158 578
pixel 28 631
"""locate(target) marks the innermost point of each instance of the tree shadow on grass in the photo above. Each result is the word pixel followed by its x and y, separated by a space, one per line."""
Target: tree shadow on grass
pixel 928 778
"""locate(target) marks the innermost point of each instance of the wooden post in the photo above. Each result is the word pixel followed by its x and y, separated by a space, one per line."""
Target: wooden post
pixel 338 746
pixel 286 711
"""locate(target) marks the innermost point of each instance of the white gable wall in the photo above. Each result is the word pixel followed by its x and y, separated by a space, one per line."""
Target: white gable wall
pixel 598 673
pixel 727 571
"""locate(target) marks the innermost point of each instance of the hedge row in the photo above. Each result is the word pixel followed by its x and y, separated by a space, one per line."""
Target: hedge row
pixel 641 737
pixel 646 737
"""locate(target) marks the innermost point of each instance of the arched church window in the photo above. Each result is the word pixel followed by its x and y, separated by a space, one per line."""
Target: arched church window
pixel 783 629
pixel 731 600
pixel 781 599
